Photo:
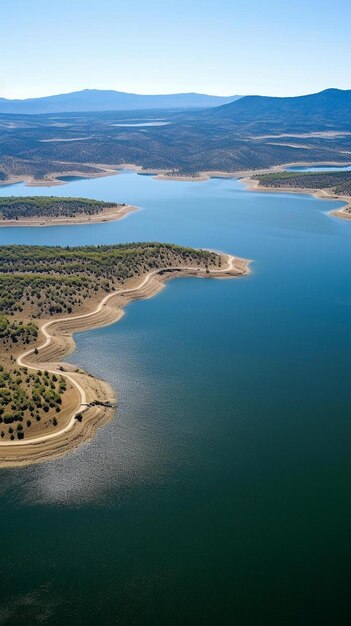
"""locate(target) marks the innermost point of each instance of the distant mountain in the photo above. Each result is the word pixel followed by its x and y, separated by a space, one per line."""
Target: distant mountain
pixel 329 109
pixel 102 100
pixel 251 133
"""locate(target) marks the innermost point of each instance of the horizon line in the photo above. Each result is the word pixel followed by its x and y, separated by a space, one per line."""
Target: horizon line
pixel 175 93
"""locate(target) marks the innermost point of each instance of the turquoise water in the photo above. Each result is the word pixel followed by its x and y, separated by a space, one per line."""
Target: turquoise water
pixel 320 168
pixel 220 493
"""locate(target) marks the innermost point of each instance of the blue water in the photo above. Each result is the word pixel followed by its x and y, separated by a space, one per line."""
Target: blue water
pixel 220 492
pixel 218 213
pixel 143 124
pixel 320 168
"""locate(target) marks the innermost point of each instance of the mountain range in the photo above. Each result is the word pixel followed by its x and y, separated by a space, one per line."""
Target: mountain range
pixel 108 100
pixel 253 132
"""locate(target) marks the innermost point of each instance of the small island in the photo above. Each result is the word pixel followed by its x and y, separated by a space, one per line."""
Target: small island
pixel 47 407
pixel 53 210
pixel 332 185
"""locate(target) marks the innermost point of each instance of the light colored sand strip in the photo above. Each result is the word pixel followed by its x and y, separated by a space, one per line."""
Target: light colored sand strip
pixel 231 266
pixel 112 214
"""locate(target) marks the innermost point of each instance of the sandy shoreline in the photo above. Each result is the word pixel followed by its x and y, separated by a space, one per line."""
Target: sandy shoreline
pixel 52 180
pixel 244 175
pixel 108 215
pixel 58 342
pixel 105 169
pixel 253 185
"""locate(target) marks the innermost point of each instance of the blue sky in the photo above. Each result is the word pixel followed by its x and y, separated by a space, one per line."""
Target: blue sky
pixel 271 47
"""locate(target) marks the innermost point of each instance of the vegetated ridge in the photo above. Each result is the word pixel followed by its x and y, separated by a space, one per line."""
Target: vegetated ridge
pixel 13 207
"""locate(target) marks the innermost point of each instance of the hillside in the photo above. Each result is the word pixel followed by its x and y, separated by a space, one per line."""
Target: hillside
pixel 251 133
pixel 109 100
pixel 327 110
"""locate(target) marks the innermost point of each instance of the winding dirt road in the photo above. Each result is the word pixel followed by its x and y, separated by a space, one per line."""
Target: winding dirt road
pixel 45 329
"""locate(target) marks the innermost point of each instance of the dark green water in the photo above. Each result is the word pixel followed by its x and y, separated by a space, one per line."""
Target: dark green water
pixel 220 493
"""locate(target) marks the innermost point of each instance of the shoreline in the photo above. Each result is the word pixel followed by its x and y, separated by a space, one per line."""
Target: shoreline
pixel 113 214
pixel 59 342
pixel 161 174
pixel 322 194
pixel 244 175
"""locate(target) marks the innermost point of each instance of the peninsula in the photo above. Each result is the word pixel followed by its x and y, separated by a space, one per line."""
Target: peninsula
pixel 48 407
pixel 53 211
pixel 335 185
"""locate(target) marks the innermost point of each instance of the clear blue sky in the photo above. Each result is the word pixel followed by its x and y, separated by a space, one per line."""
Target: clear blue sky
pixel 276 47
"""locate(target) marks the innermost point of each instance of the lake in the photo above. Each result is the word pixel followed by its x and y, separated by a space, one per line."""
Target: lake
pixel 220 492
